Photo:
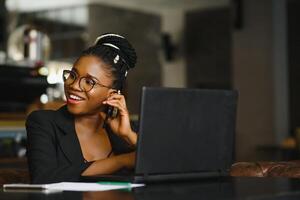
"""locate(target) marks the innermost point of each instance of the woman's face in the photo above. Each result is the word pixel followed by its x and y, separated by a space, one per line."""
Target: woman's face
pixel 80 102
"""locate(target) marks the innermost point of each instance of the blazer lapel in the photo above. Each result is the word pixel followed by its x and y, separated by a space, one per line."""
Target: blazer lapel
pixel 67 137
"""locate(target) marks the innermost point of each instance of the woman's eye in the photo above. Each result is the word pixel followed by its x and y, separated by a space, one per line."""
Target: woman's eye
pixel 72 76
pixel 89 81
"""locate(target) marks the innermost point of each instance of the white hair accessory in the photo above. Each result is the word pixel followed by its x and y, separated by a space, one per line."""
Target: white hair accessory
pixel 117 58
pixel 111 45
pixel 107 35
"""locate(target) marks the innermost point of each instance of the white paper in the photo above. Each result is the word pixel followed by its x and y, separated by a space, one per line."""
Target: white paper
pixel 72 186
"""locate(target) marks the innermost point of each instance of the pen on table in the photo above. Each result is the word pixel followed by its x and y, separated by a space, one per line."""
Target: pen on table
pixel 115 183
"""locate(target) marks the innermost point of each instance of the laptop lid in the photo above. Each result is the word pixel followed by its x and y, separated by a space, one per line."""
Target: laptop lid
pixel 185 131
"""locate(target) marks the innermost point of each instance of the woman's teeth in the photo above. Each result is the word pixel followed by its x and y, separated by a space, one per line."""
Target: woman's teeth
pixel 74 97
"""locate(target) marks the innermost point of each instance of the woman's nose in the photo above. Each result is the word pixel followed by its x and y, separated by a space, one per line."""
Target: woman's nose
pixel 75 85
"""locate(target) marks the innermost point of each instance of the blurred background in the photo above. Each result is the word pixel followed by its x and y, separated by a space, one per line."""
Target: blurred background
pixel 247 45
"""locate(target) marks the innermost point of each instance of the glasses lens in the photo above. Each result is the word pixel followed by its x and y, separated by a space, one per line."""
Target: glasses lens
pixel 87 84
pixel 69 77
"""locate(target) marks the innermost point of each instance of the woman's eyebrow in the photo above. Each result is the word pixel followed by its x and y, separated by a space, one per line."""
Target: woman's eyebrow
pixel 87 75
pixel 90 76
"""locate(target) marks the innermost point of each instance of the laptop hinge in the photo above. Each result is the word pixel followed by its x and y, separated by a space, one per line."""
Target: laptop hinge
pixel 224 172
pixel 143 176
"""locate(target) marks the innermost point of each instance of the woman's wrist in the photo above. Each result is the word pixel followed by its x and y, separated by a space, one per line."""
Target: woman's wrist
pixel 126 160
pixel 131 138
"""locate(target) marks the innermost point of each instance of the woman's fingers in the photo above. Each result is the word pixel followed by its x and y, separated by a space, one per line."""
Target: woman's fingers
pixel 114 103
pixel 117 104
pixel 116 98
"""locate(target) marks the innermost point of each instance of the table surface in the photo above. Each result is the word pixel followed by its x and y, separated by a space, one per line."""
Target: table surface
pixel 230 188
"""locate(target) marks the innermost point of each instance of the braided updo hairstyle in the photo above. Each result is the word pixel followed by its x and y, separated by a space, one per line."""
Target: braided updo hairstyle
pixel 117 53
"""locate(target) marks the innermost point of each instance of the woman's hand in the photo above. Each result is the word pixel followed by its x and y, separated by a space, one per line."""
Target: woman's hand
pixel 111 165
pixel 120 125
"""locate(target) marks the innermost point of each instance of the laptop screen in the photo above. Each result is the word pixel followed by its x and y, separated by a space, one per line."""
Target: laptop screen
pixel 185 130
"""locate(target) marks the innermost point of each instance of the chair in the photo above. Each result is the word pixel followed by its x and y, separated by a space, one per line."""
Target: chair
pixel 13 170
pixel 290 169
pixel 14 176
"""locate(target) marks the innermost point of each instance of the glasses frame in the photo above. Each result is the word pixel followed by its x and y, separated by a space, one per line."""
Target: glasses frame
pixel 80 79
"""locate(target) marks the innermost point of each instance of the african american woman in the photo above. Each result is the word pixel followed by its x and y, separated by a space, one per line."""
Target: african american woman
pixel 86 136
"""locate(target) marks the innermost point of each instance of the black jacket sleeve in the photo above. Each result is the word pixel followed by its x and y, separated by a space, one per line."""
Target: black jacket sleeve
pixel 119 145
pixel 41 152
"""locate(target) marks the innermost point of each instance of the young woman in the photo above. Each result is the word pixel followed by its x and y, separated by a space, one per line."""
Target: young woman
pixel 83 137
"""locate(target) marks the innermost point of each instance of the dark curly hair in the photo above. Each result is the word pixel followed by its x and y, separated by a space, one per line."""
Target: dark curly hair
pixel 117 53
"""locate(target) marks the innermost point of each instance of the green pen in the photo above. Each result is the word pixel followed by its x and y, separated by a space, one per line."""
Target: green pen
pixel 115 183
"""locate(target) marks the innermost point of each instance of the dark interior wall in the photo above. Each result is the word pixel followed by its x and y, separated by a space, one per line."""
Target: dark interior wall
pixel 144 32
pixel 293 7
pixel 208 36
pixel 253 77
pixel 3 23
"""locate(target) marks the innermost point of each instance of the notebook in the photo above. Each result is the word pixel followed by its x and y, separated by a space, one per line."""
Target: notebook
pixel 184 134
pixel 68 186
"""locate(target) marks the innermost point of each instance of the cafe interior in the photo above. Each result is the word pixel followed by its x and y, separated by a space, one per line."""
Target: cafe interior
pixel 245 45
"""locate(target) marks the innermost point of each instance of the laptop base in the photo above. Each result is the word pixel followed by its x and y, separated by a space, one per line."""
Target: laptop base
pixel 153 178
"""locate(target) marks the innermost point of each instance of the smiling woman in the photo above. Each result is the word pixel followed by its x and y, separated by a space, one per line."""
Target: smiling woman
pixel 84 137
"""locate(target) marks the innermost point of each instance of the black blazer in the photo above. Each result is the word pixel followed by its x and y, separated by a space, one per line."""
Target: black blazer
pixel 53 149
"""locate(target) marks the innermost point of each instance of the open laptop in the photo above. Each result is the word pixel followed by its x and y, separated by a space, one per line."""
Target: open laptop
pixel 183 134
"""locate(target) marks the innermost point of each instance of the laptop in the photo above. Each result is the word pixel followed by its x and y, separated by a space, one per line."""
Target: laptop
pixel 184 134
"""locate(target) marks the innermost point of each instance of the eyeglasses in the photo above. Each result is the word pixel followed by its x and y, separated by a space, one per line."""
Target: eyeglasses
pixel 85 83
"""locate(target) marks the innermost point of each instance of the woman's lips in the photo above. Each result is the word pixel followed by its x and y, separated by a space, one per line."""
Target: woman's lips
pixel 74 99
